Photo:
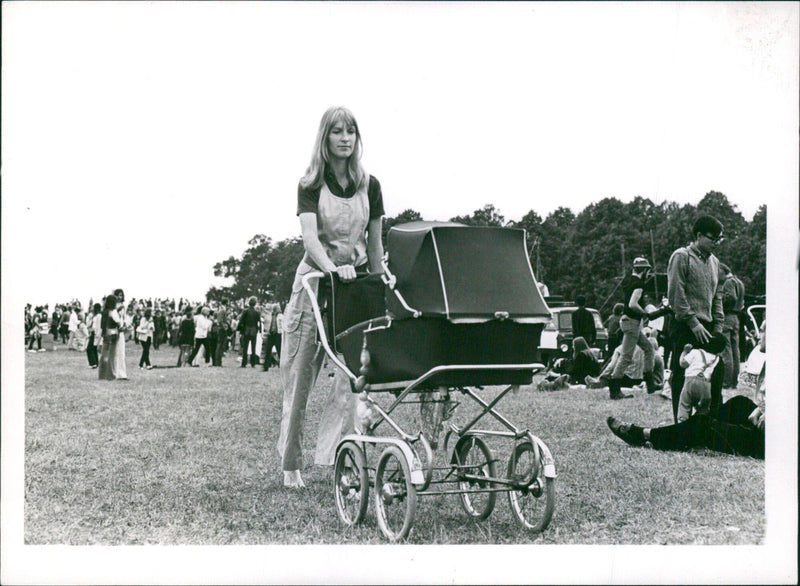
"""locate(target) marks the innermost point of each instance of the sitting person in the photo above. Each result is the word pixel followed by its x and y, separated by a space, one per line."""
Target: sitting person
pixel 583 362
pixel 699 364
pixel 737 427
pixel 632 376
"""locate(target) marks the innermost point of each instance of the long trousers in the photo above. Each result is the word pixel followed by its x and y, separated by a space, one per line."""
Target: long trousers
pixel 726 430
pixel 91 351
pixel 198 342
pixel 249 343
pixel 682 335
pixel 273 341
pixel 37 337
pixel 301 361
pixel 632 336
pixel 730 356
pixel 145 359
pixel 219 349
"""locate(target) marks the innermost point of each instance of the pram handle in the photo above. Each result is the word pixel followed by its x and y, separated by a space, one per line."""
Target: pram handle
pixel 323 338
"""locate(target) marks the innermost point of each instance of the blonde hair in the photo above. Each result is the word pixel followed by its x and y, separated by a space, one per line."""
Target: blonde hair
pixel 315 174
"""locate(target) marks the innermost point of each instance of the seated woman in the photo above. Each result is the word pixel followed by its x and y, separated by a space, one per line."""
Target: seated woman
pixel 737 427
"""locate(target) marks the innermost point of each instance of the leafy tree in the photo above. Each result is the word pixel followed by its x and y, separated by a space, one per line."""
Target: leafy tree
pixel 488 215
pixel 408 215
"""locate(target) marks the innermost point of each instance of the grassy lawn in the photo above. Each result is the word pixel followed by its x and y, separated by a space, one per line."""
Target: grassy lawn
pixel 187 456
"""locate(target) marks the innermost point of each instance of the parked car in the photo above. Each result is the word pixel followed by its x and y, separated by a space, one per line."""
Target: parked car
pixel 556 341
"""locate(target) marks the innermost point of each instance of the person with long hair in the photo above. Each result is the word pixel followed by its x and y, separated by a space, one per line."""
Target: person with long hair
pixel 340 207
pixel 109 328
pixel 145 330
pixel 118 358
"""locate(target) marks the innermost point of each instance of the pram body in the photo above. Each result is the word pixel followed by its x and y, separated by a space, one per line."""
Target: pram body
pixel 457 308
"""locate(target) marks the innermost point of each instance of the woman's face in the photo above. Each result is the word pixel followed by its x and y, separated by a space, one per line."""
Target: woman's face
pixel 341 140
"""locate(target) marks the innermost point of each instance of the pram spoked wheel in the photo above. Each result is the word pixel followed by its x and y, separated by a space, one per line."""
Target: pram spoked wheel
pixel 533 502
pixel 395 495
pixel 351 483
pixel 475 465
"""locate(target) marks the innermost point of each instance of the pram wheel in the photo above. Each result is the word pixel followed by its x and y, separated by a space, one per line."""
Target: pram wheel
pixel 533 504
pixel 475 464
pixel 351 483
pixel 395 495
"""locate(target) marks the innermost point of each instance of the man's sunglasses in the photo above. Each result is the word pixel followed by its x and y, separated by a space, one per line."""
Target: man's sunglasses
pixel 714 239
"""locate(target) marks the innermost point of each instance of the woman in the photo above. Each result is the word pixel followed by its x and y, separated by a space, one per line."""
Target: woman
pixel 94 335
pixel 340 208
pixel 145 331
pixel 109 326
pixel 118 358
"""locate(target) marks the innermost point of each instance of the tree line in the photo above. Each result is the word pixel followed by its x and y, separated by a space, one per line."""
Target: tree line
pixel 572 254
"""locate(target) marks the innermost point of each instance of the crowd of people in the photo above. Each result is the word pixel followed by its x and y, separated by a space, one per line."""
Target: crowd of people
pixel 199 332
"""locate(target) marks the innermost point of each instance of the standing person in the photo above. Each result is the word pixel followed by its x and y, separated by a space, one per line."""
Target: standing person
pixel 271 330
pixel 63 324
pixel 631 326
pixel 202 328
pixel 583 322
pixel 35 329
pixel 159 328
pixel 145 330
pixel 109 327
pixel 95 334
pixel 118 362
pixel 56 321
pixel 696 300
pixel 72 328
pixel 220 332
pixel 612 325
pixel 185 337
pixel 340 207
pixel 732 306
pixel 249 326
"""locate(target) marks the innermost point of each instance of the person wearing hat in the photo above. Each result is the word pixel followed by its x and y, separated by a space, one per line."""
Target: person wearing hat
pixel 631 326
pixel 695 296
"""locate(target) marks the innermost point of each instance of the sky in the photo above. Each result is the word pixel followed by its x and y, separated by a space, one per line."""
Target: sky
pixel 144 142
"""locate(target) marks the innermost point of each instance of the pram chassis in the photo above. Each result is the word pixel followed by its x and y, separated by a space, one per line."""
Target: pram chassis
pixel 405 467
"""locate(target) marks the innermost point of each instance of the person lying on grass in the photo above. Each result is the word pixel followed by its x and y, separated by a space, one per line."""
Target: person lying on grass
pixel 737 427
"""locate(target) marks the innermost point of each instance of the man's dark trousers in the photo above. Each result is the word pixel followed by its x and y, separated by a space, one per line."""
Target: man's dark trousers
pixel 682 335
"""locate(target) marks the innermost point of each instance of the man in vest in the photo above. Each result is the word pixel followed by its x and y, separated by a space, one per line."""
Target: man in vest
pixel 732 305
pixel 695 295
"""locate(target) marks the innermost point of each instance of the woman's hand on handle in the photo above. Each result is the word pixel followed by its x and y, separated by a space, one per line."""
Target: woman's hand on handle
pixel 346 273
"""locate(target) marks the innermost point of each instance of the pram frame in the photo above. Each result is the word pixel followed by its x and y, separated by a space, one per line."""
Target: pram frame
pixel 420 475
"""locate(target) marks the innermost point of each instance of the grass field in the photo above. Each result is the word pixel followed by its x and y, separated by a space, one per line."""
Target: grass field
pixel 187 456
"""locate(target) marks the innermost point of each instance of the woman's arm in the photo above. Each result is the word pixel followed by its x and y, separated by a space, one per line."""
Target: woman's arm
pixel 633 303
pixel 375 244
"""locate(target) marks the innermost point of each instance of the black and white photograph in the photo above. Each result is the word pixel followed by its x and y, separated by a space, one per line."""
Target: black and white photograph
pixel 399 292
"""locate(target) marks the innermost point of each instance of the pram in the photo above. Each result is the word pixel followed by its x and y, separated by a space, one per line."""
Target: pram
pixel 456 309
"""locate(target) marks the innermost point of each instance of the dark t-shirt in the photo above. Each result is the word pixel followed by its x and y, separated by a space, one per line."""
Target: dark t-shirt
pixel 308 199
pixel 631 283
pixel 583 325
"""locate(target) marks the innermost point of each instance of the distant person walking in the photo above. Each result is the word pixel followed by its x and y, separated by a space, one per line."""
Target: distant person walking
pixel 696 300
pixel 272 332
pixel 202 329
pixel 583 322
pixel 220 332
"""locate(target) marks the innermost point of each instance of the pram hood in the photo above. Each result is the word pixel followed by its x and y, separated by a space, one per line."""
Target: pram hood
pixel 463 273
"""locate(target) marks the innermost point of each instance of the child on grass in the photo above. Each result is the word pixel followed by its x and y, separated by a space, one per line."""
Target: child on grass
pixel 699 364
